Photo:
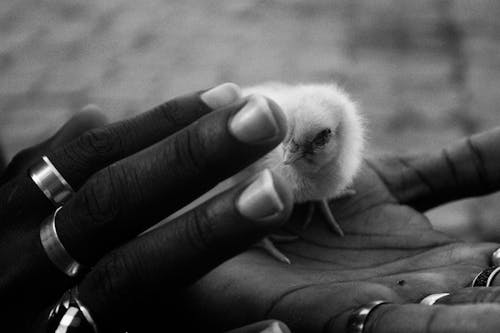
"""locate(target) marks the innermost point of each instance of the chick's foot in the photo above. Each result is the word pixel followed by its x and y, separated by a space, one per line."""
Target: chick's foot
pixel 327 213
pixel 268 243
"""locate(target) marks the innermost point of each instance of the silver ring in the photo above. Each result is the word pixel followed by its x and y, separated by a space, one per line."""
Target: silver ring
pixel 485 277
pixel 51 182
pixel 431 299
pixel 86 313
pixel 495 257
pixel 55 249
pixel 69 312
pixel 358 318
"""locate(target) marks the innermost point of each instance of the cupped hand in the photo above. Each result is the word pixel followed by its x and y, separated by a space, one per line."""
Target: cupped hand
pixel 390 252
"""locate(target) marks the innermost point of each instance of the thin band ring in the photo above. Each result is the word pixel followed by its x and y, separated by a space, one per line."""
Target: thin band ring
pixel 83 309
pixel 85 313
pixel 50 181
pixel 69 313
pixel 358 318
pixel 485 277
pixel 55 250
pixel 433 298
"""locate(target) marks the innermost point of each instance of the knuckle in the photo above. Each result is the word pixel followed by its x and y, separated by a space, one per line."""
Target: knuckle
pixel 100 196
pixel 110 274
pixel 106 274
pixel 110 191
pixel 171 112
pixel 200 229
pixel 189 151
pixel 99 142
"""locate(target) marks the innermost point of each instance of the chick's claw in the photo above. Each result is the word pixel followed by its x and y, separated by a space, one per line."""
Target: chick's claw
pixel 330 219
pixel 327 213
pixel 267 245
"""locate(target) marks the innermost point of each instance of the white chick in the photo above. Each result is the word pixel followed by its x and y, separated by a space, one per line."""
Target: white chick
pixel 322 151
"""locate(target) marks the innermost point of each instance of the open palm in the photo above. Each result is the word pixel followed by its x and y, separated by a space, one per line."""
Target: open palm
pixel 390 251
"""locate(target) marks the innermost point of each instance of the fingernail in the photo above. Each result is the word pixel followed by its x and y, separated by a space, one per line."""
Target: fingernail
pixel 254 122
pixel 260 201
pixel 275 328
pixel 222 95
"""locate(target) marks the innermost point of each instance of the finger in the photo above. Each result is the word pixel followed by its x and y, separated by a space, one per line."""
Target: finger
pixel 149 272
pixel 90 117
pixel 266 326
pixel 128 197
pixel 467 168
pixel 434 319
pixel 98 148
pixel 472 295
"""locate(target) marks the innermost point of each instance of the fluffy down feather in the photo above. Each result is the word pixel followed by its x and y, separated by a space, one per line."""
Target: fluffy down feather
pixel 319 171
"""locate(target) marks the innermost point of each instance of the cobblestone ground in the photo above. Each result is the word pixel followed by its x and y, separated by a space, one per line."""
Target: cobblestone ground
pixel 425 72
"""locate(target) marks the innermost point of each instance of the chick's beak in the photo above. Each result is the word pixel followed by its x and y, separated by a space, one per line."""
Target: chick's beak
pixel 290 157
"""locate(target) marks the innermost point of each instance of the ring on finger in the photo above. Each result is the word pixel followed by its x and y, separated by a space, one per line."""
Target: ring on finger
pixel 55 250
pixel 486 277
pixel 358 317
pixel 50 181
pixel 495 257
pixel 70 315
pixel 433 298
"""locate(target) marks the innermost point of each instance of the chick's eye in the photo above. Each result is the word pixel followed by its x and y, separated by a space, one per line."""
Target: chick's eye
pixel 322 137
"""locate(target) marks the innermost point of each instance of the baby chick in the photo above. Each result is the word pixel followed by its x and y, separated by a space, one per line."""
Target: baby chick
pixel 322 151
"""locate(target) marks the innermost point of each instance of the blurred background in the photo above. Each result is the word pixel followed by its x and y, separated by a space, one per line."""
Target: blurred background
pixel 425 72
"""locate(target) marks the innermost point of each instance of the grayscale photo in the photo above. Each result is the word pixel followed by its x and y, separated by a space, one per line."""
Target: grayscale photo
pixel 250 166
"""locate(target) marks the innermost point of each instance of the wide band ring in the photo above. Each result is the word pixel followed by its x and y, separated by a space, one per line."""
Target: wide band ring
pixel 55 249
pixel 69 314
pixel 51 182
pixel 485 277
pixel 358 318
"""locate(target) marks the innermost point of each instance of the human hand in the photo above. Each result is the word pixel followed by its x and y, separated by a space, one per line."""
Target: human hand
pixel 127 177
pixel 390 252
